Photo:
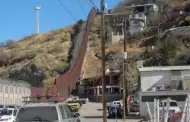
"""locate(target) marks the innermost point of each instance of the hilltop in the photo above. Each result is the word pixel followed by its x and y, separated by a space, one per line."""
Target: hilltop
pixel 38 58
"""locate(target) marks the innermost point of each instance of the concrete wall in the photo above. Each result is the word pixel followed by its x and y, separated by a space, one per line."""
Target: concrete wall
pixel 150 79
pixel 153 78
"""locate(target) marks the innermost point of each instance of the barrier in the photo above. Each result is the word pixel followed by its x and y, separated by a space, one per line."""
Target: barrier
pixel 66 82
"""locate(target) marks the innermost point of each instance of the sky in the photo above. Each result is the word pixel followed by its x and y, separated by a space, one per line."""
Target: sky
pixel 18 17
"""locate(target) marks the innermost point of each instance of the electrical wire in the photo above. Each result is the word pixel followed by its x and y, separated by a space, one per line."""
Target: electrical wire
pixel 87 2
pixel 67 10
pixel 92 3
pixel 81 6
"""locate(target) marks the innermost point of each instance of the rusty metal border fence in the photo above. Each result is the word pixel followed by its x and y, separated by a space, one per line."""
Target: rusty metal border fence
pixel 67 81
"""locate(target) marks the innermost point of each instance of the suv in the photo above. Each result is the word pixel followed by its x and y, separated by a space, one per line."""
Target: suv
pixel 49 112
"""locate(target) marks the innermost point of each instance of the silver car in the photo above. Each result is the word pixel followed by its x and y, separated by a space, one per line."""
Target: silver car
pixel 47 112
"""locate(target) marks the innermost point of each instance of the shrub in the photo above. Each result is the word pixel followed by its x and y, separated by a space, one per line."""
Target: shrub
pixel 12 44
pixel 60 66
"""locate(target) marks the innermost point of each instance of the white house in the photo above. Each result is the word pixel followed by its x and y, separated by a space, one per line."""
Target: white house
pixel 163 82
pixel 138 18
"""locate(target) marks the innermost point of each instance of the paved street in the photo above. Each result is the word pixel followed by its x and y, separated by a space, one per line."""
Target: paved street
pixel 92 113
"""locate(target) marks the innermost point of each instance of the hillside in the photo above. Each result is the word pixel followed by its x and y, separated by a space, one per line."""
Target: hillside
pixel 38 59
pixel 171 49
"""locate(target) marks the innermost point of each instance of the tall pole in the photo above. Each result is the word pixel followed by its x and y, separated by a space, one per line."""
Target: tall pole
pixel 125 92
pixel 103 60
pixel 37 19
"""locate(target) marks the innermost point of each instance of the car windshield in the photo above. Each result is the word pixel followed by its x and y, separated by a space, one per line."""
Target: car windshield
pixel 10 106
pixel 173 104
pixel 33 113
pixel 1 106
pixel 6 112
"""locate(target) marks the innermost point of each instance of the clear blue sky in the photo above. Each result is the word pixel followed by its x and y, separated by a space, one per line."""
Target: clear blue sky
pixel 18 17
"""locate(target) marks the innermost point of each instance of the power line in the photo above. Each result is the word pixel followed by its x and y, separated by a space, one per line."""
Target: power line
pixel 93 3
pixel 67 10
pixel 81 6
pixel 88 3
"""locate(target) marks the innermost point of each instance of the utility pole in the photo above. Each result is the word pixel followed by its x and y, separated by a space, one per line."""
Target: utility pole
pixel 103 60
pixel 125 91
pixel 37 18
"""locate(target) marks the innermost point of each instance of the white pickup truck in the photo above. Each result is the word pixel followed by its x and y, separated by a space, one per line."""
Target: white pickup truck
pixel 115 104
pixel 173 106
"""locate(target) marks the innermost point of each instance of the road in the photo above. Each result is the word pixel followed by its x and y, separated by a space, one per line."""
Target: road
pixel 92 113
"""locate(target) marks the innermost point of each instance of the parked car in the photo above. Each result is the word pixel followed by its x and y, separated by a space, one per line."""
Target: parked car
pixel 49 112
pixel 74 106
pixel 2 107
pixel 8 115
pixel 114 112
pixel 115 104
pixel 173 106
pixel 12 106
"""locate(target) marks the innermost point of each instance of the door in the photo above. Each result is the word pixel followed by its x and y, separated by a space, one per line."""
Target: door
pixel 63 115
pixel 68 113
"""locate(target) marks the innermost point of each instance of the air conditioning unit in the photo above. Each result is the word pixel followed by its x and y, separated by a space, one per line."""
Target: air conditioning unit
pixel 160 88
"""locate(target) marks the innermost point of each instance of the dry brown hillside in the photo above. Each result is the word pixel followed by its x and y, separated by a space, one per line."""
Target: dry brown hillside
pixel 37 59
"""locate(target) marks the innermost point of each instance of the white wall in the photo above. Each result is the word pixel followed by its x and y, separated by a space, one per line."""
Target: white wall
pixel 12 94
pixel 150 79
pixel 153 78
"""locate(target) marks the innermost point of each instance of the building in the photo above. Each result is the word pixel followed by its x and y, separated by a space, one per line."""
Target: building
pixel 93 86
pixel 11 92
pixel 140 17
pixel 163 82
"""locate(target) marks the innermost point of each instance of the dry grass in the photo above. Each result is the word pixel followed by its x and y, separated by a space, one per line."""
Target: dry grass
pixel 48 52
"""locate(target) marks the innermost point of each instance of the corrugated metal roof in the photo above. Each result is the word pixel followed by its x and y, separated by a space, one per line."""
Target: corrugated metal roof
pixel 6 81
pixel 164 68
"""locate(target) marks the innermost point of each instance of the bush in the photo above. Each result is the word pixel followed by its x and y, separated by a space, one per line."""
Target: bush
pixel 12 44
pixel 60 66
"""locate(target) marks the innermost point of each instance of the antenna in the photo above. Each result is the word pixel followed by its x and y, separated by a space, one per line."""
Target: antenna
pixel 106 5
pixel 37 18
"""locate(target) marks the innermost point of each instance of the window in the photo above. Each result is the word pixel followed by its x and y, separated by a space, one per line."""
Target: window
pixel 48 113
pixel 173 104
pixel 62 112
pixel 14 114
pixel 68 111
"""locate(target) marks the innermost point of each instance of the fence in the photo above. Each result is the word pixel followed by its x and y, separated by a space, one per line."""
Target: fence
pixel 66 82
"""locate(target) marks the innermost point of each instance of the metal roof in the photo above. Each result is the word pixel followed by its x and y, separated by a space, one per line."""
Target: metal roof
pixel 164 68
pixel 6 81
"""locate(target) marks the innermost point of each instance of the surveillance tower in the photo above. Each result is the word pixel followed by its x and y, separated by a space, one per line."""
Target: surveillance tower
pixel 37 18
